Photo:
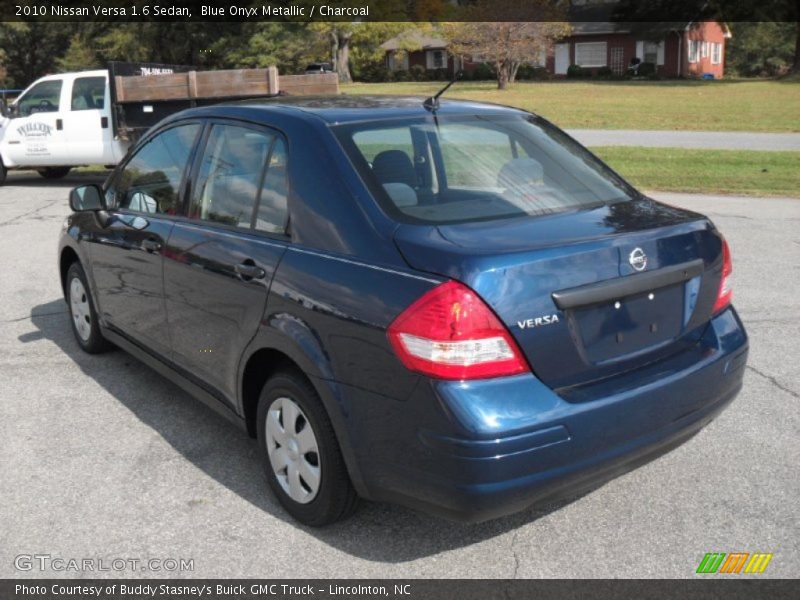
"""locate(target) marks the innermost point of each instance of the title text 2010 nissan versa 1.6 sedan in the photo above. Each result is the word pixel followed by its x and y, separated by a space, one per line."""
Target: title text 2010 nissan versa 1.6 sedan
pixel 452 306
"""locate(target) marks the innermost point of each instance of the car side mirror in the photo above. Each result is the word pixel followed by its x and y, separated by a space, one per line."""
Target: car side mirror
pixel 87 198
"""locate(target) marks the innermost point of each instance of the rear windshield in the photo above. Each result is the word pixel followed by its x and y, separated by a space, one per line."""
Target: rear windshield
pixel 449 170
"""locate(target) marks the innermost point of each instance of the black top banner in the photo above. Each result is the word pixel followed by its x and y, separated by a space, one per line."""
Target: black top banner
pixel 677 11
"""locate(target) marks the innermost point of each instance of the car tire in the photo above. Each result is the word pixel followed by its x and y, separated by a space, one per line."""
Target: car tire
pixel 83 316
pixel 3 172
pixel 289 454
pixel 54 172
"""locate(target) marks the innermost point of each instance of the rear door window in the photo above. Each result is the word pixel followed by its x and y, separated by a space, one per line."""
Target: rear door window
pixel 88 93
pixel 272 211
pixel 230 175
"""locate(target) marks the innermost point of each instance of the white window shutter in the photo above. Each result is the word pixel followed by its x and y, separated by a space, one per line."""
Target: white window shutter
pixel 660 57
pixel 429 59
pixel 640 50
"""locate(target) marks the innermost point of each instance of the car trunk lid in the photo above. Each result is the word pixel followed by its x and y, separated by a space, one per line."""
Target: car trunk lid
pixel 586 294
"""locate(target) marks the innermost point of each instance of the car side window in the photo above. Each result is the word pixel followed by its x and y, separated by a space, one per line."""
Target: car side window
pixel 88 93
pixel 45 96
pixel 150 181
pixel 273 203
pixel 230 175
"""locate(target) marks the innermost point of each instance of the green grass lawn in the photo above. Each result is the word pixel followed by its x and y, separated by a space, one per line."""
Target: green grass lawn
pixel 726 105
pixel 744 172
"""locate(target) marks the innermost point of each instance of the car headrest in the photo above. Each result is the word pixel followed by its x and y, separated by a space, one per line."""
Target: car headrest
pixel 520 172
pixel 401 194
pixel 394 166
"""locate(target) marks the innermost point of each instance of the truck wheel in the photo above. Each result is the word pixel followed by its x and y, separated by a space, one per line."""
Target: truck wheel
pixel 3 172
pixel 301 456
pixel 83 316
pixel 54 172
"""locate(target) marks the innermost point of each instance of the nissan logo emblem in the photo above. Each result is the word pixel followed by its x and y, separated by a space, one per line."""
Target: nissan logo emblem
pixel 638 259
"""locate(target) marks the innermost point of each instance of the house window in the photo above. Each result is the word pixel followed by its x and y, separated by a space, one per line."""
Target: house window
pixel 704 49
pixel 650 52
pixel 397 61
pixel 435 59
pixel 593 54
pixel 716 53
pixel 694 51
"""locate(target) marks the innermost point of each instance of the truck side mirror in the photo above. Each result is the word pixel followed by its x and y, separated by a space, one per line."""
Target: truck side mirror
pixel 87 198
pixel 4 111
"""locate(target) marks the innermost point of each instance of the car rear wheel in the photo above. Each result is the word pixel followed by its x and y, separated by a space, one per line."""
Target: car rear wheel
pixel 82 313
pixel 300 454
pixel 54 172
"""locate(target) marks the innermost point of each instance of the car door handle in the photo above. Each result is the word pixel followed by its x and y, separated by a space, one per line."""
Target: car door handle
pixel 151 245
pixel 247 271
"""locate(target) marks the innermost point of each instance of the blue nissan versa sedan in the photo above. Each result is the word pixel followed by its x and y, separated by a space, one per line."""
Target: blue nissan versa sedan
pixel 452 306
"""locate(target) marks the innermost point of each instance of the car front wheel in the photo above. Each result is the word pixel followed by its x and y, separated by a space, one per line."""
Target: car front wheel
pixel 300 453
pixel 83 316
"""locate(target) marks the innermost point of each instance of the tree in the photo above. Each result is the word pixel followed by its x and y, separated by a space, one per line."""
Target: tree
pixel 342 36
pixel 31 50
pixel 289 46
pixel 338 36
pixel 775 12
pixel 79 56
pixel 758 49
pixel 507 44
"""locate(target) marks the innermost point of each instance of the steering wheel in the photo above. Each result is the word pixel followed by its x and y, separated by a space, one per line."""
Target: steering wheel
pixel 46 106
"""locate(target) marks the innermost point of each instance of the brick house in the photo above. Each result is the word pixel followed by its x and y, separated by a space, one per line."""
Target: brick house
pixel 430 53
pixel 678 50
pixel 693 49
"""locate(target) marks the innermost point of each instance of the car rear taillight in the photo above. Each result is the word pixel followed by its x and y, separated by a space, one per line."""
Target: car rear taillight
pixel 725 290
pixel 450 333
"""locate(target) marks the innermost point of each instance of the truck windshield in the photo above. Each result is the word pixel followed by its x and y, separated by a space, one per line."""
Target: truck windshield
pixel 449 170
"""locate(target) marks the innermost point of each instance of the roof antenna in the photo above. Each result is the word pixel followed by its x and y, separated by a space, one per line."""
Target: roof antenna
pixel 432 103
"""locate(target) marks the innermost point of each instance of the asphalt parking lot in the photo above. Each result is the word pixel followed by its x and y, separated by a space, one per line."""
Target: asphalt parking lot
pixel 101 458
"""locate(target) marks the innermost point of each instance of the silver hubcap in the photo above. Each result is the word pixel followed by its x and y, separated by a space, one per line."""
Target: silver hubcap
pixel 79 305
pixel 293 451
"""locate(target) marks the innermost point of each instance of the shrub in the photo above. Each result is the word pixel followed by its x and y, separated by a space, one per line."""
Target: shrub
pixel 528 72
pixel 483 72
pixel 577 72
pixel 541 73
pixel 647 69
pixel 604 73
pixel 440 75
pixel 418 73
pixel 374 73
pixel 524 72
pixel 402 75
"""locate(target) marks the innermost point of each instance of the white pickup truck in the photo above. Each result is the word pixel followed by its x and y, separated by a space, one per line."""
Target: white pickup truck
pixel 92 117
pixel 67 120
pixel 59 122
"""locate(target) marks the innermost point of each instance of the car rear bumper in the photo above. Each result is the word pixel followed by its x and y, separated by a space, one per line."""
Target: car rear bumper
pixel 479 450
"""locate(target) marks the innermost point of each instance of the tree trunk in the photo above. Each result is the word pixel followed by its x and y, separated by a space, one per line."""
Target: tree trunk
pixel 796 65
pixel 334 49
pixel 514 68
pixel 343 59
pixel 503 74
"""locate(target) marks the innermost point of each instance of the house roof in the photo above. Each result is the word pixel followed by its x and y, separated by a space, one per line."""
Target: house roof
pixel 414 39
